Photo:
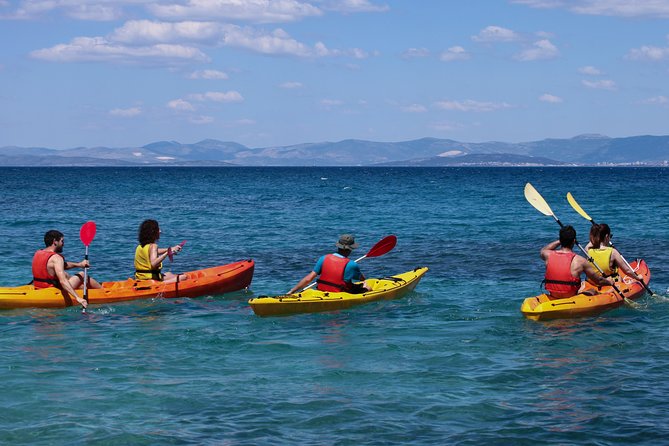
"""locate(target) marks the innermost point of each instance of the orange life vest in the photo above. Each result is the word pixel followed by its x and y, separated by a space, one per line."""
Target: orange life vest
pixel 332 274
pixel 41 276
pixel 558 279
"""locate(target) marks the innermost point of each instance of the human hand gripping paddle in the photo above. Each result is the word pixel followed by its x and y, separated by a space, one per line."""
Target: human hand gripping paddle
pixel 574 204
pixel 538 202
pixel 383 246
pixel 87 234
pixel 170 253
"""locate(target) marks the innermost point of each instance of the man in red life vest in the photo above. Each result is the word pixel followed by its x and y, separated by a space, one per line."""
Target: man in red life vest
pixel 564 267
pixel 49 267
pixel 336 271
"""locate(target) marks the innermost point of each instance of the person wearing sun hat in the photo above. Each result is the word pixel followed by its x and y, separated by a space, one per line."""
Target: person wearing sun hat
pixel 336 272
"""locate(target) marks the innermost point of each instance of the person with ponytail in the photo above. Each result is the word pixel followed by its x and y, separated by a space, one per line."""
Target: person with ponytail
pixel 604 255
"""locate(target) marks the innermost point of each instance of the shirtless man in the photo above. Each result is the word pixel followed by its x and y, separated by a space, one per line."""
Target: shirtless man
pixel 49 267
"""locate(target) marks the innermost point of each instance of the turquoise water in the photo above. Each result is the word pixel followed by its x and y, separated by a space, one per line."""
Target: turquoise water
pixel 452 363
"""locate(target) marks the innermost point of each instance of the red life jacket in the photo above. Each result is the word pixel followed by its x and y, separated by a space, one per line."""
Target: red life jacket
pixel 41 276
pixel 558 279
pixel 332 274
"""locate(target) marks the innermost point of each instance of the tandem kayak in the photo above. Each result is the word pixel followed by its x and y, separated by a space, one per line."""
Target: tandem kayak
pixel 216 280
pixel 542 307
pixel 313 301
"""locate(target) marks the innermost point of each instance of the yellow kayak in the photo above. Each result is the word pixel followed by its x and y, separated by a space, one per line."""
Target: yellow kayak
pixel 313 301
pixel 542 307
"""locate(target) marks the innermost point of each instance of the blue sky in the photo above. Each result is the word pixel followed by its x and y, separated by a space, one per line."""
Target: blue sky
pixel 277 72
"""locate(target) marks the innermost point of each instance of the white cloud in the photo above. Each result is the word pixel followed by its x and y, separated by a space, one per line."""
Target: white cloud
pixel 348 6
pixel 126 112
pixel 331 103
pixel 589 70
pixel 200 120
pixel 95 10
pixel 257 11
pixel 149 31
pixel 657 100
pixel 208 74
pixel 546 97
pixel 542 49
pixel 180 105
pixel 649 53
pixel 445 126
pixel 471 106
pixel 496 34
pixel 604 84
pixel 415 108
pixel 218 96
pixel 415 53
pixel 621 8
pixel 454 53
pixel 99 49
pixel 291 85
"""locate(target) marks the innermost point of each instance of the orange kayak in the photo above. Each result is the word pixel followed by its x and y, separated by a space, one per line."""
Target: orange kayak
pixel 215 280
pixel 542 307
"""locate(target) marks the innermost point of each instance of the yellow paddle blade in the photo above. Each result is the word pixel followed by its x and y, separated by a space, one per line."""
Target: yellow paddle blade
pixel 577 207
pixel 537 200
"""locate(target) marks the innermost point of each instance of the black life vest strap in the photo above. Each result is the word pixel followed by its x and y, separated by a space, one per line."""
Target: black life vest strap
pixel 54 282
pixel 336 285
pixel 155 273
pixel 562 282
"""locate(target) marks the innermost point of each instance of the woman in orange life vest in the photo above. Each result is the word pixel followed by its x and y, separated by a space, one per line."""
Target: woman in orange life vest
pixel 336 271
pixel 49 267
pixel 149 258
pixel 605 256
pixel 564 267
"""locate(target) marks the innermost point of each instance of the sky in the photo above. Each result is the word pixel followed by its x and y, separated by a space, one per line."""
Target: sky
pixel 125 73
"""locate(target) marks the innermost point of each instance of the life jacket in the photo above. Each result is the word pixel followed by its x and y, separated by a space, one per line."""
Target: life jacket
pixel 332 274
pixel 602 257
pixel 41 276
pixel 558 279
pixel 143 270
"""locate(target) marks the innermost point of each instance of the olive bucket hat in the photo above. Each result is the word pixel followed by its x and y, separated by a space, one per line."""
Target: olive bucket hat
pixel 347 241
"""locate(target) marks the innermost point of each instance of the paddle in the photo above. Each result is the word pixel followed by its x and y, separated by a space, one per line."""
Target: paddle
pixel 87 234
pixel 536 200
pixel 574 204
pixel 170 254
pixel 383 246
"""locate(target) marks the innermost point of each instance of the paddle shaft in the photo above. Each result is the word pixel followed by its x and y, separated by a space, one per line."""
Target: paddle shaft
pixel 577 207
pixel 86 276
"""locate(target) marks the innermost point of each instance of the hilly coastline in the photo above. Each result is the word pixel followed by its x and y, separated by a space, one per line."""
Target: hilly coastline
pixel 580 150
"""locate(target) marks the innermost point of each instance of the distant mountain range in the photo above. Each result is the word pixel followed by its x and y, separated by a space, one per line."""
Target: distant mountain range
pixel 580 150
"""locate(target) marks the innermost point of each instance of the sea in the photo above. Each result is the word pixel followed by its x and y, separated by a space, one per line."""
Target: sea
pixel 452 363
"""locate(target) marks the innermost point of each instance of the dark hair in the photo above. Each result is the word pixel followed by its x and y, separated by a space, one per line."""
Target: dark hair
pixel 598 233
pixel 567 236
pixel 52 236
pixel 149 232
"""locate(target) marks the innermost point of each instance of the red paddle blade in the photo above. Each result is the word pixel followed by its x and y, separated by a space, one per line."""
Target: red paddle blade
pixel 87 232
pixel 182 243
pixel 383 246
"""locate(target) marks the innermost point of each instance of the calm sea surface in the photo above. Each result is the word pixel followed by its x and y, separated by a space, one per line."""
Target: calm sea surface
pixel 452 363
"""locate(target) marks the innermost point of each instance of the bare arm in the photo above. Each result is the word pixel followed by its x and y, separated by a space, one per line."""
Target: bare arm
pixel 156 255
pixel 59 268
pixel 620 263
pixel 593 274
pixel 304 282
pixel 548 248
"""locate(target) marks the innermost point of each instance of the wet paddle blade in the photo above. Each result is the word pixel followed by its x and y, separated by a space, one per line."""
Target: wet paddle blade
pixel 87 232
pixel 384 246
pixel 572 201
pixel 536 200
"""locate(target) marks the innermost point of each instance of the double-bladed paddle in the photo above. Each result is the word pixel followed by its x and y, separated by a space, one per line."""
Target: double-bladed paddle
pixel 538 202
pixel 170 254
pixel 383 246
pixel 87 234
pixel 577 207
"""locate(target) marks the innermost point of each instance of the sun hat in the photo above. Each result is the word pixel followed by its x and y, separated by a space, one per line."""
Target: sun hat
pixel 346 241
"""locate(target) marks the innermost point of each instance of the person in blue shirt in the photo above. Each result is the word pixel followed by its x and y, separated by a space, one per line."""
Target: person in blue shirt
pixel 336 272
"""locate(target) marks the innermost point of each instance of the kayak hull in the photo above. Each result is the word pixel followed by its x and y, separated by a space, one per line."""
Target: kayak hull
pixel 542 307
pixel 314 301
pixel 216 280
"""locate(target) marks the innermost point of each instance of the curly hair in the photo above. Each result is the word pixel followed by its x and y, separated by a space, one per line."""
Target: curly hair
pixel 149 232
